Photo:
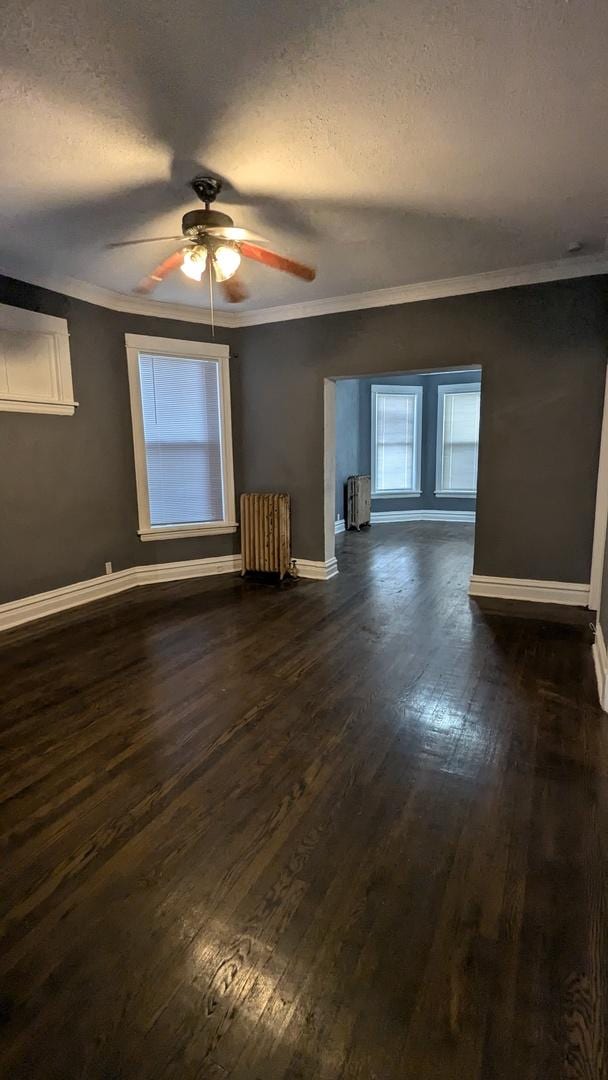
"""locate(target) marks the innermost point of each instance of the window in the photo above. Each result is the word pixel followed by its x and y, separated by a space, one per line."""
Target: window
pixel 396 440
pixel 180 407
pixel 457 439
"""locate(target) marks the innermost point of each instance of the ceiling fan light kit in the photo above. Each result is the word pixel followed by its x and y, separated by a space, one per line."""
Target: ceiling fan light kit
pixel 214 243
pixel 195 261
pixel 226 261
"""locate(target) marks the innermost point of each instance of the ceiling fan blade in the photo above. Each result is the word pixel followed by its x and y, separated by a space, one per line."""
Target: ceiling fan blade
pixel 277 262
pixel 234 290
pixel 160 272
pixel 146 240
pixel 233 232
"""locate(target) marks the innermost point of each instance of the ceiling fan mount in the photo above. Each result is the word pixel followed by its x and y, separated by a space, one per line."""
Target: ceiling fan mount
pixel 207 188
pixel 195 222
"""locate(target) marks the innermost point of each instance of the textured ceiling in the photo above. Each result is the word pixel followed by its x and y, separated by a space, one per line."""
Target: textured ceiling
pixel 387 143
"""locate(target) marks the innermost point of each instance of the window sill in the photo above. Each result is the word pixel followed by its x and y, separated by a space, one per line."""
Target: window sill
pixel 456 494
pixel 56 408
pixel 183 532
pixel 396 494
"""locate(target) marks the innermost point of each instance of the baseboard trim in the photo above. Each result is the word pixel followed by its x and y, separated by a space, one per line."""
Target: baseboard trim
pixel 29 608
pixel 385 517
pixel 539 592
pixel 340 525
pixel 600 661
pixel 317 571
pixel 188 568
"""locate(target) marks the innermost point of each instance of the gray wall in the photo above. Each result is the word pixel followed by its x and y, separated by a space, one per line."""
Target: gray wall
pixel 67 486
pixel 348 447
pixel 427 500
pixel 67 483
pixel 543 353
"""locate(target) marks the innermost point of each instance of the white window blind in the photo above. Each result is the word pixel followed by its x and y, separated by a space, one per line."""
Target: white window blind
pixel 396 439
pixel 180 401
pixel 458 439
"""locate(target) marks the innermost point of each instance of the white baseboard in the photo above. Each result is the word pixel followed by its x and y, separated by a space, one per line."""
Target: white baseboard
pixel 318 571
pixel 340 525
pixel 188 568
pixel 384 517
pixel 600 661
pixel 29 608
pixel 540 592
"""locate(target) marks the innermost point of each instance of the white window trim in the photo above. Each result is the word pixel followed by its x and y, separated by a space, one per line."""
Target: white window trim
pixel 454 388
pixel 15 320
pixel 192 350
pixel 416 393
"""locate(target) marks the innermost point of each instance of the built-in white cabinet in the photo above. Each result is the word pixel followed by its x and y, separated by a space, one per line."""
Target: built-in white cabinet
pixel 35 368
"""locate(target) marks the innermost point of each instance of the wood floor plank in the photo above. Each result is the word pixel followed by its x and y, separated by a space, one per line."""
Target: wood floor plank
pixel 352 830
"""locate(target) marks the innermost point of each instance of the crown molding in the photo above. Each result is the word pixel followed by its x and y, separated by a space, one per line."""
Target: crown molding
pixel 558 270
pixel 536 274
pixel 116 301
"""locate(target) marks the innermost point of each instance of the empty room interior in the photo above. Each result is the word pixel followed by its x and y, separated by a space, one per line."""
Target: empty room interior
pixel 303 562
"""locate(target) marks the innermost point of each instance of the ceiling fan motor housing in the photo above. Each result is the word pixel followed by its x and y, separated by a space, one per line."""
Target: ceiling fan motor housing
pixel 196 221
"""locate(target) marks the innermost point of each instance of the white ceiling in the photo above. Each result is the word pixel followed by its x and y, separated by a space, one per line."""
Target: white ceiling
pixel 386 143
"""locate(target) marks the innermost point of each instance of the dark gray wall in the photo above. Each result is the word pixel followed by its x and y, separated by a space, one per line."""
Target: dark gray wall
pixel 543 353
pixel 427 500
pixel 348 448
pixel 67 487
pixel 67 483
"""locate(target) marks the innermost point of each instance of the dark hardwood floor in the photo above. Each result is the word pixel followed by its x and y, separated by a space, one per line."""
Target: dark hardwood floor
pixel 354 829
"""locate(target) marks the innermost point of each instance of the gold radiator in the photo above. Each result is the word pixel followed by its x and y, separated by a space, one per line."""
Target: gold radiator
pixel 265 533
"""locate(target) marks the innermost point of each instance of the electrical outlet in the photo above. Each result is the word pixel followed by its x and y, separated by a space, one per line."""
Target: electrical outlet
pixel 108 568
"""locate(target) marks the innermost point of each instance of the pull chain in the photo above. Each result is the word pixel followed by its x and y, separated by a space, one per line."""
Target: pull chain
pixel 211 297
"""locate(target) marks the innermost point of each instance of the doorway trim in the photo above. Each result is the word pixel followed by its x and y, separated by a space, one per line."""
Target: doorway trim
pixel 329 470
pixel 331 524
pixel 601 513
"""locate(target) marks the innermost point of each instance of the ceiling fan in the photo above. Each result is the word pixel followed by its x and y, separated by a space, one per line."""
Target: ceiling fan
pixel 215 244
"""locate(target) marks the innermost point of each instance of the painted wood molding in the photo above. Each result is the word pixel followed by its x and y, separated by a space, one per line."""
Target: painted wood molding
pixel 534 274
pixel 386 517
pixel 138 345
pixel 51 408
pixel 600 661
pixel 539 592
pixel 35 364
pixel 601 513
pixel 29 608
pixel 163 532
pixel 317 571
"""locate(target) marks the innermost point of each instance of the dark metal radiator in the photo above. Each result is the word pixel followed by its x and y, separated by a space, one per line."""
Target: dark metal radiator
pixel 359 501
